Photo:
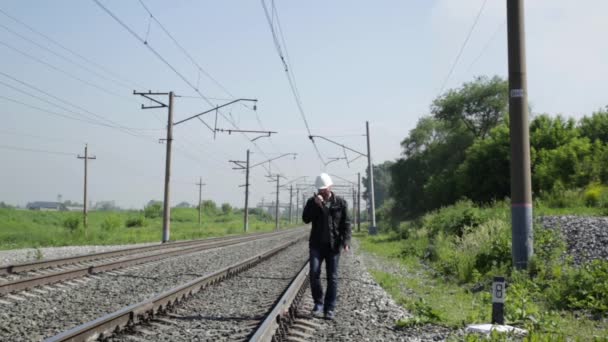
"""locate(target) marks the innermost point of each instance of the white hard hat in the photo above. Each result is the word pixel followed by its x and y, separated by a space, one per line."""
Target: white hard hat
pixel 323 181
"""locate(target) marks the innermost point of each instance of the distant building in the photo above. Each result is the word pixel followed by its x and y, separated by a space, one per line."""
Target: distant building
pixel 46 206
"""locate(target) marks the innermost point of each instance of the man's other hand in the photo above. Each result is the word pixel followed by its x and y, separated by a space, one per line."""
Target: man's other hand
pixel 346 248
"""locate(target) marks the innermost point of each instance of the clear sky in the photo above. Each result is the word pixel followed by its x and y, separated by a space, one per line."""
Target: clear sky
pixel 381 61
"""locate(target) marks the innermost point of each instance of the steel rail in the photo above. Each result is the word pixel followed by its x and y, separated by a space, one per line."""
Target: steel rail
pixel 46 279
pixel 36 265
pixel 275 326
pixel 104 326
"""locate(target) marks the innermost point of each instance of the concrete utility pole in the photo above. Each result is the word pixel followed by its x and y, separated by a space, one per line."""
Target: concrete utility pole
pixel 84 204
pixel 358 201
pixel 354 208
pixel 246 213
pixel 290 203
pixel 521 184
pixel 200 199
pixel 370 167
pixel 247 167
pixel 167 203
pixel 303 202
pixel 297 204
pixel 371 202
pixel 276 220
pixel 169 142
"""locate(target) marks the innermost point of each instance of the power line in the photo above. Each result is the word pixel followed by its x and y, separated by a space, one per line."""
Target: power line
pixel 487 44
pixel 98 87
pixel 464 44
pixel 18 148
pixel 108 123
pixel 106 70
pixel 21 134
pixel 63 57
pixel 207 74
pixel 180 75
pixel 289 74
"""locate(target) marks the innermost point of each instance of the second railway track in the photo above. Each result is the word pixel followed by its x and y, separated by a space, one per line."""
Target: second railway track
pixel 229 310
pixel 53 309
pixel 42 273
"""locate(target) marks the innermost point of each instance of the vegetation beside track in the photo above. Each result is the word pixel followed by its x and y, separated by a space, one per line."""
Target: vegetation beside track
pixel 452 254
pixel 35 229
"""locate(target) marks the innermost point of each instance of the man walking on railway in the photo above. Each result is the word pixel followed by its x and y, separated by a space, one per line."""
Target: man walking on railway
pixel 329 235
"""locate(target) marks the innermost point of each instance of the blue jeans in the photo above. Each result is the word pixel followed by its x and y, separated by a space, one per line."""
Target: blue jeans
pixel 317 255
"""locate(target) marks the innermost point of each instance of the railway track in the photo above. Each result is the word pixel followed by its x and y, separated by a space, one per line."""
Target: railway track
pixel 238 302
pixel 29 275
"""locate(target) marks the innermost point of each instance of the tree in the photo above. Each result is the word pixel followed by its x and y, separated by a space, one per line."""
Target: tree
pixel 209 207
pixel 153 209
pixel 226 208
pixel 480 105
pixel 484 175
pixel 382 183
pixel 596 126
pixel 183 204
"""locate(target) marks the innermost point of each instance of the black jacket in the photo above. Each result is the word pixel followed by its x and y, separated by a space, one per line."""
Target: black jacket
pixel 335 218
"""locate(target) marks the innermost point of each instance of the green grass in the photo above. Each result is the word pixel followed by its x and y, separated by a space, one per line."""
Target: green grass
pixel 443 268
pixel 34 229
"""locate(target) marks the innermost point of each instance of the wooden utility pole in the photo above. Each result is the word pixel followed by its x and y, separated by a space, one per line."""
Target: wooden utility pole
pixel 86 163
pixel 200 199
pixel 521 184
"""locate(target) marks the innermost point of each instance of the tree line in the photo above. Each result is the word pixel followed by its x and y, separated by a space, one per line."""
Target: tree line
pixel 461 150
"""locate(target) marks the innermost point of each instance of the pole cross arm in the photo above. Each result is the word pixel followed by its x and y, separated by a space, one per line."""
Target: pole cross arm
pixel 275 158
pixel 230 131
pixel 148 96
pixel 213 109
pixel 311 137
pixel 238 163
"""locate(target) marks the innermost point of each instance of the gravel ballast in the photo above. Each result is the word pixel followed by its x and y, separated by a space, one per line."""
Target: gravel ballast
pixel 18 256
pixel 586 237
pixel 230 310
pixel 35 315
pixel 365 312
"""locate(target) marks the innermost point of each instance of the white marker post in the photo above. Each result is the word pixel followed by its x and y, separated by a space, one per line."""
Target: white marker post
pixel 499 293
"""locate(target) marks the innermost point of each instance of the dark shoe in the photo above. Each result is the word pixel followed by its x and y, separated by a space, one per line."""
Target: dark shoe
pixel 317 311
pixel 330 315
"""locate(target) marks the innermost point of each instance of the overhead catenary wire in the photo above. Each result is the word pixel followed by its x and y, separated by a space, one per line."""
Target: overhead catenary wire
pixel 27 149
pixel 290 77
pixel 62 71
pixel 488 43
pixel 166 62
pixel 207 74
pixel 462 47
pixel 69 60
pixel 71 51
pixel 106 122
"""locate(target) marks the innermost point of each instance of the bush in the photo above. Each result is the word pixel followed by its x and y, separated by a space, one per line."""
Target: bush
pixel 110 223
pixel 593 195
pixel 226 208
pixel 72 223
pixel 453 220
pixel 153 210
pixel 139 221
